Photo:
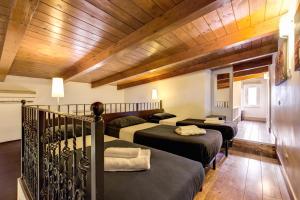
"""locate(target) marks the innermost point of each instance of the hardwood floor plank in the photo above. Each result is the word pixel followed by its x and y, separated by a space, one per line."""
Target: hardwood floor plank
pixel 10 169
pixel 253 190
pixel 269 180
pixel 283 190
pixel 254 131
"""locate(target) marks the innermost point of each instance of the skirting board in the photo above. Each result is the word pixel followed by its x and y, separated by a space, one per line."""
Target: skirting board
pixel 23 193
pixel 237 119
pixel 286 180
pixel 256 119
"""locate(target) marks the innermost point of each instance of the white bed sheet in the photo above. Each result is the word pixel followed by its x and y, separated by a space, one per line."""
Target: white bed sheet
pixel 127 133
pixel 171 121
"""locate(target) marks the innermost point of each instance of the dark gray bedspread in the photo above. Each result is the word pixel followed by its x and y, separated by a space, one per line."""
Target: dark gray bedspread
pixel 171 177
pixel 202 148
pixel 228 130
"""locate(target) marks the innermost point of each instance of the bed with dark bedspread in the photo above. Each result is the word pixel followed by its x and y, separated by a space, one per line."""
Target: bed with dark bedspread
pixel 202 148
pixel 171 177
pixel 228 129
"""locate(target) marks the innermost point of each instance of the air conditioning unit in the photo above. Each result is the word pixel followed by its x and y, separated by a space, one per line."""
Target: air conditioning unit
pixel 15 93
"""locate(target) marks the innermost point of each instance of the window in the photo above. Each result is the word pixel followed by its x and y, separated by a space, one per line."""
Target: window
pixel 252 96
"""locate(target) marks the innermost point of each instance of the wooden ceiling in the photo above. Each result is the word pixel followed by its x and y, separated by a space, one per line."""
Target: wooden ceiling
pixel 126 41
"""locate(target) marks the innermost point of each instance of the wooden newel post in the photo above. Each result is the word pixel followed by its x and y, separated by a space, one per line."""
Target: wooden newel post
pixel 97 152
pixel 41 120
pixel 23 136
pixel 160 104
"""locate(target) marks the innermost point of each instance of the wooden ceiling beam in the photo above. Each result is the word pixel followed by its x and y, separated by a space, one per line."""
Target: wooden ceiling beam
pixel 184 12
pixel 252 64
pixel 252 76
pixel 220 62
pixel 21 12
pixel 252 71
pixel 263 29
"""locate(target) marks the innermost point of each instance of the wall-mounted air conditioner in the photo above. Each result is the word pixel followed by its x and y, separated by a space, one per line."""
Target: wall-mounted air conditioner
pixel 15 93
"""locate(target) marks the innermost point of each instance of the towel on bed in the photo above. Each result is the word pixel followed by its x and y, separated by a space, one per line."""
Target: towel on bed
pixel 119 152
pixel 190 130
pixel 214 121
pixel 141 162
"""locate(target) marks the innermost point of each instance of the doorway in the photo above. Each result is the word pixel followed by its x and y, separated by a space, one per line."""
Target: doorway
pixel 251 107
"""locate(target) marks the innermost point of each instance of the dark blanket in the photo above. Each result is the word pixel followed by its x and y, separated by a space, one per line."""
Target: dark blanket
pixel 171 177
pixel 202 148
pixel 228 130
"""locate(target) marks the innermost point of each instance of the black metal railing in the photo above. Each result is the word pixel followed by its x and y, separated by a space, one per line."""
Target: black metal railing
pixel 59 160
pixel 84 109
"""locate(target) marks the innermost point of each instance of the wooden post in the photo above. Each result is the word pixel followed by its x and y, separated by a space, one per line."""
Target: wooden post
pixel 137 106
pixel 97 152
pixel 160 104
pixel 41 127
pixel 23 136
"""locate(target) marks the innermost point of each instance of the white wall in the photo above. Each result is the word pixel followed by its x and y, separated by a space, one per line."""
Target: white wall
pixel 187 95
pixel 260 111
pixel 10 114
pixel 237 94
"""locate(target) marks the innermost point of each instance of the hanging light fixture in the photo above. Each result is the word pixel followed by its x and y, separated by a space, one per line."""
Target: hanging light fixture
pixel 57 88
pixel 154 94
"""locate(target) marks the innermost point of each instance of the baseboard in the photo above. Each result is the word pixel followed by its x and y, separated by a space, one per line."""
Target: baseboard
pixel 23 192
pixel 286 179
pixel 237 119
pixel 5 142
pixel 256 119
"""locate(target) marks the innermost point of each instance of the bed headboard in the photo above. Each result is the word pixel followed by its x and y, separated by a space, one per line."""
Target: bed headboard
pixel 145 114
pixel 142 109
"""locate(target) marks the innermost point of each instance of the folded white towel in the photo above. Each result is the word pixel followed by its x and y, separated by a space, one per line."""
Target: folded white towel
pixel 119 152
pixel 214 121
pixel 190 130
pixel 186 128
pixel 142 162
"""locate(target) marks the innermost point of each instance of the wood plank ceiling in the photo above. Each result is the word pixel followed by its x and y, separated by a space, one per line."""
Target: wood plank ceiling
pixel 80 40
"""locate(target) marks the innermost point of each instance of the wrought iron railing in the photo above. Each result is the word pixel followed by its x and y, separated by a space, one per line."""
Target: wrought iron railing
pixel 83 109
pixel 62 154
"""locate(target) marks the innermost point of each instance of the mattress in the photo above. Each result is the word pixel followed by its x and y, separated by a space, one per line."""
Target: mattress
pixel 228 130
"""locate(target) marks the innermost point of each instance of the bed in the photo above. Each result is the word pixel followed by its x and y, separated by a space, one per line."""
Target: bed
pixel 170 177
pixel 201 148
pixel 228 129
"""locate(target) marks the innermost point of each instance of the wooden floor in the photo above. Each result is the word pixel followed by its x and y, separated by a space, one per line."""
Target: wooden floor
pixel 244 176
pixel 240 176
pixel 254 131
pixel 10 163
